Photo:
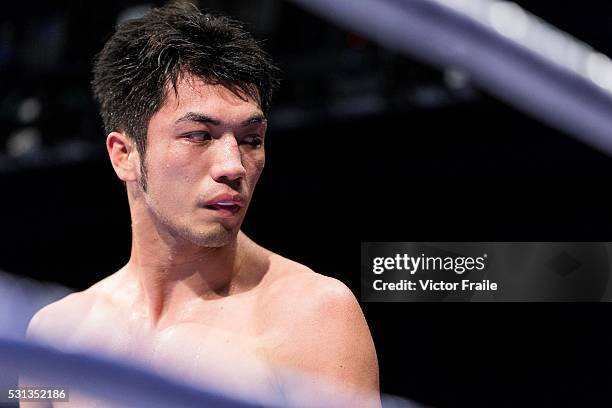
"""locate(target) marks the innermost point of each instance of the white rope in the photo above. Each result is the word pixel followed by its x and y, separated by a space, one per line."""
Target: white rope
pixel 507 51
pixel 112 381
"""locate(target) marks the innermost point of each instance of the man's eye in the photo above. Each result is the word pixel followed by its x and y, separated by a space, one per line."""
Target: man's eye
pixel 253 140
pixel 198 136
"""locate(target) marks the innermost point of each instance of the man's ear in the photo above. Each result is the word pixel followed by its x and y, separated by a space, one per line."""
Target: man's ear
pixel 123 156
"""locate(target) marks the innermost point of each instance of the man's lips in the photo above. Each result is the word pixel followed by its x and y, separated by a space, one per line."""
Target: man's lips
pixel 225 204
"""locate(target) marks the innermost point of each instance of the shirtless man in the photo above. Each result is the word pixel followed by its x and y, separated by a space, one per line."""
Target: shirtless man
pixel 183 97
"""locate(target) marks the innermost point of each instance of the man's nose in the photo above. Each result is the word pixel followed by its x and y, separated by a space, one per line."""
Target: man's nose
pixel 227 165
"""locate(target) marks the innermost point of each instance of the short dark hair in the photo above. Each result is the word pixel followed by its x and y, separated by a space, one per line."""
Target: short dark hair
pixel 132 72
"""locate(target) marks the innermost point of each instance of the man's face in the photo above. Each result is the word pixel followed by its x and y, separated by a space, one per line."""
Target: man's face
pixel 204 156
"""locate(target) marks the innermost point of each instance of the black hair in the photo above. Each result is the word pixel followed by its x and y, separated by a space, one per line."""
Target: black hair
pixel 132 72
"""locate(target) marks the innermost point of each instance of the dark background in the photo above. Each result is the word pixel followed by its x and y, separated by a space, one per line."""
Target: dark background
pixel 363 145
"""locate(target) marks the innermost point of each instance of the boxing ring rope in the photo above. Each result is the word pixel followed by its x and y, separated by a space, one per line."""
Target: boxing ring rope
pixel 122 383
pixel 512 54
pixel 112 381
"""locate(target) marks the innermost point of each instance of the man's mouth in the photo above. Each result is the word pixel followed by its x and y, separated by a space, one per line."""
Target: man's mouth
pixel 224 207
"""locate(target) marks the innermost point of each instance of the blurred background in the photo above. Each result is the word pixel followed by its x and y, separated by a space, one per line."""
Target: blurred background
pixel 364 144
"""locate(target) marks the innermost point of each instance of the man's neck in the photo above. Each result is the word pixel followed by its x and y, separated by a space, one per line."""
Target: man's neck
pixel 172 277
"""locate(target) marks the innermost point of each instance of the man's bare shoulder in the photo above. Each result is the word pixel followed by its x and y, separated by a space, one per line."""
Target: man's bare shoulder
pixel 324 331
pixel 58 320
pixel 310 303
pixel 287 283
pixel 294 284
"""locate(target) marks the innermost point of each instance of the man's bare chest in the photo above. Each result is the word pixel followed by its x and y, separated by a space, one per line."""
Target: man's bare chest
pixel 224 352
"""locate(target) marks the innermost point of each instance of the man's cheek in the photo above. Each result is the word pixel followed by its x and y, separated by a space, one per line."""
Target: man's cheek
pixel 261 162
pixel 255 166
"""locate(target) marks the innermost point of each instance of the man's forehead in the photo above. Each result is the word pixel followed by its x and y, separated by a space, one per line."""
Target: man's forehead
pixel 195 94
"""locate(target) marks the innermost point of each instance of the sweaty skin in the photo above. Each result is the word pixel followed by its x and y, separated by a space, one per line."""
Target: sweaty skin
pixel 199 299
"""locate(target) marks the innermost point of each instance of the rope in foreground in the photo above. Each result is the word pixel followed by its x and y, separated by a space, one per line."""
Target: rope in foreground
pixel 112 381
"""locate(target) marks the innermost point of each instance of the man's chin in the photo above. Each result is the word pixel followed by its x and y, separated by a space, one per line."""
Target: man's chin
pixel 213 237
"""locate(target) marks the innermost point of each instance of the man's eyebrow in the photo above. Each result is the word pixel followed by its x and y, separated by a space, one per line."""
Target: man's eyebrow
pixel 201 118
pixel 198 117
pixel 254 119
